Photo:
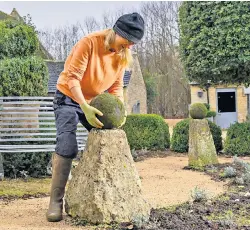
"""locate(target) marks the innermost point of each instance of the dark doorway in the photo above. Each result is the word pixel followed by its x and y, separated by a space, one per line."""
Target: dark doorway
pixel 226 102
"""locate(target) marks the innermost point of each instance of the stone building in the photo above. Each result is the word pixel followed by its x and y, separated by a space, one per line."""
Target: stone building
pixel 231 103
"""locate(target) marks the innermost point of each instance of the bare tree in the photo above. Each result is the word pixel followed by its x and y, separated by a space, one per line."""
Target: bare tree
pixel 158 54
pixel 109 18
pixel 89 25
pixel 60 40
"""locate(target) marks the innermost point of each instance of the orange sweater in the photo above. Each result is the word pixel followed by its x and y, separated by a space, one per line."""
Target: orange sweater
pixel 92 68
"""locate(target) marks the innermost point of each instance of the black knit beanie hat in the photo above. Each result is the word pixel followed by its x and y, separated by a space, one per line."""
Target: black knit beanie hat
pixel 130 27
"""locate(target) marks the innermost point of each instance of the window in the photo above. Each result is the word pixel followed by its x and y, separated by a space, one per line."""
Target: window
pixel 136 107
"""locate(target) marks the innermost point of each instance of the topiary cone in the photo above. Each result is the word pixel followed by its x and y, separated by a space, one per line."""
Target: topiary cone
pixel 112 108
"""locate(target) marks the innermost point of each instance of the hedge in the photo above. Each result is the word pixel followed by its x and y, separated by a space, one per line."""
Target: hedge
pixel 17 40
pixel 238 139
pixel 180 137
pixel 23 77
pixel 214 41
pixel 148 131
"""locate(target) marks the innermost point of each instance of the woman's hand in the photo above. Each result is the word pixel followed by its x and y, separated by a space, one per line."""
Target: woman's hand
pixel 90 114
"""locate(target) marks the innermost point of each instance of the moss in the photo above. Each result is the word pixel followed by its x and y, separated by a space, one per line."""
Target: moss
pixel 202 161
pixel 227 215
pixel 198 111
pixel 112 108
pixel 240 217
pixel 223 197
pixel 20 187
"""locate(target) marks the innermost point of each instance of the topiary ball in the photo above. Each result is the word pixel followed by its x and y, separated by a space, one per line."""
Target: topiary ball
pixel 112 108
pixel 198 111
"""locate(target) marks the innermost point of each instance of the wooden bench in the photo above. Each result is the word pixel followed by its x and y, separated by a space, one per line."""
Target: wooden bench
pixel 27 124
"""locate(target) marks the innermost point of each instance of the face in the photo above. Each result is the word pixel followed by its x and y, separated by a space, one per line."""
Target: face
pixel 122 43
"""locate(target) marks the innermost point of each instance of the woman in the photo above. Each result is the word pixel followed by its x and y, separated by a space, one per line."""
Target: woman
pixel 96 64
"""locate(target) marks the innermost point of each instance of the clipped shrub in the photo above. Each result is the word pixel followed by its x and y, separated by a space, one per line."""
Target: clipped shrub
pixel 179 140
pixel 216 133
pixel 238 139
pixel 198 111
pixel 207 106
pixel 112 108
pixel 147 131
pixel 17 40
pixel 32 164
pixel 211 113
pixel 180 137
pixel 23 77
pixel 206 23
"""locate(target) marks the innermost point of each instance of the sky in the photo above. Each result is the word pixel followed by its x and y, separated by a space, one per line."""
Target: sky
pixel 49 14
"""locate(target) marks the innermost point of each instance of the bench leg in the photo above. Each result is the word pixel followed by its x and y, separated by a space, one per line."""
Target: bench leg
pixel 60 171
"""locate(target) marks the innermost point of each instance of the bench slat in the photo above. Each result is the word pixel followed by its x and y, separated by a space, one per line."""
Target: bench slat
pixel 30 146
pixel 31 123
pixel 26 108
pixel 33 151
pixel 27 123
pixel 26 103
pixel 26 118
pixel 29 129
pixel 27 113
pixel 27 150
pixel 26 98
pixel 36 134
pixel 35 139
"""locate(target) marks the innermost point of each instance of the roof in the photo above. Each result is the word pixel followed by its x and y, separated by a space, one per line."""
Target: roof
pixel 126 78
pixel 193 83
pixel 4 16
pixel 56 67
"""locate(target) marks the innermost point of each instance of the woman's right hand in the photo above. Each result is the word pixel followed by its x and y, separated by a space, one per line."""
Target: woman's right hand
pixel 90 114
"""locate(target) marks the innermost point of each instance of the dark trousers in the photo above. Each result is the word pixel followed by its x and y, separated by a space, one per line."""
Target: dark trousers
pixel 67 115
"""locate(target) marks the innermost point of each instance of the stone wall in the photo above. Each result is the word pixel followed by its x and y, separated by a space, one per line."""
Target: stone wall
pixel 136 90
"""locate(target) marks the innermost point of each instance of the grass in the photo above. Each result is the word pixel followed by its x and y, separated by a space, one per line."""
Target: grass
pixel 20 187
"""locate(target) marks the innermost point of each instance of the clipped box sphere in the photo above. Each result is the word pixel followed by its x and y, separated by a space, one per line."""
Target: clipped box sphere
pixel 112 108
pixel 198 111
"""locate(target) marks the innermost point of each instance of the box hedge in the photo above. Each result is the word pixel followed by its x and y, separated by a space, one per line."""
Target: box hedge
pixel 180 137
pixel 17 40
pixel 148 131
pixel 23 77
pixel 238 139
